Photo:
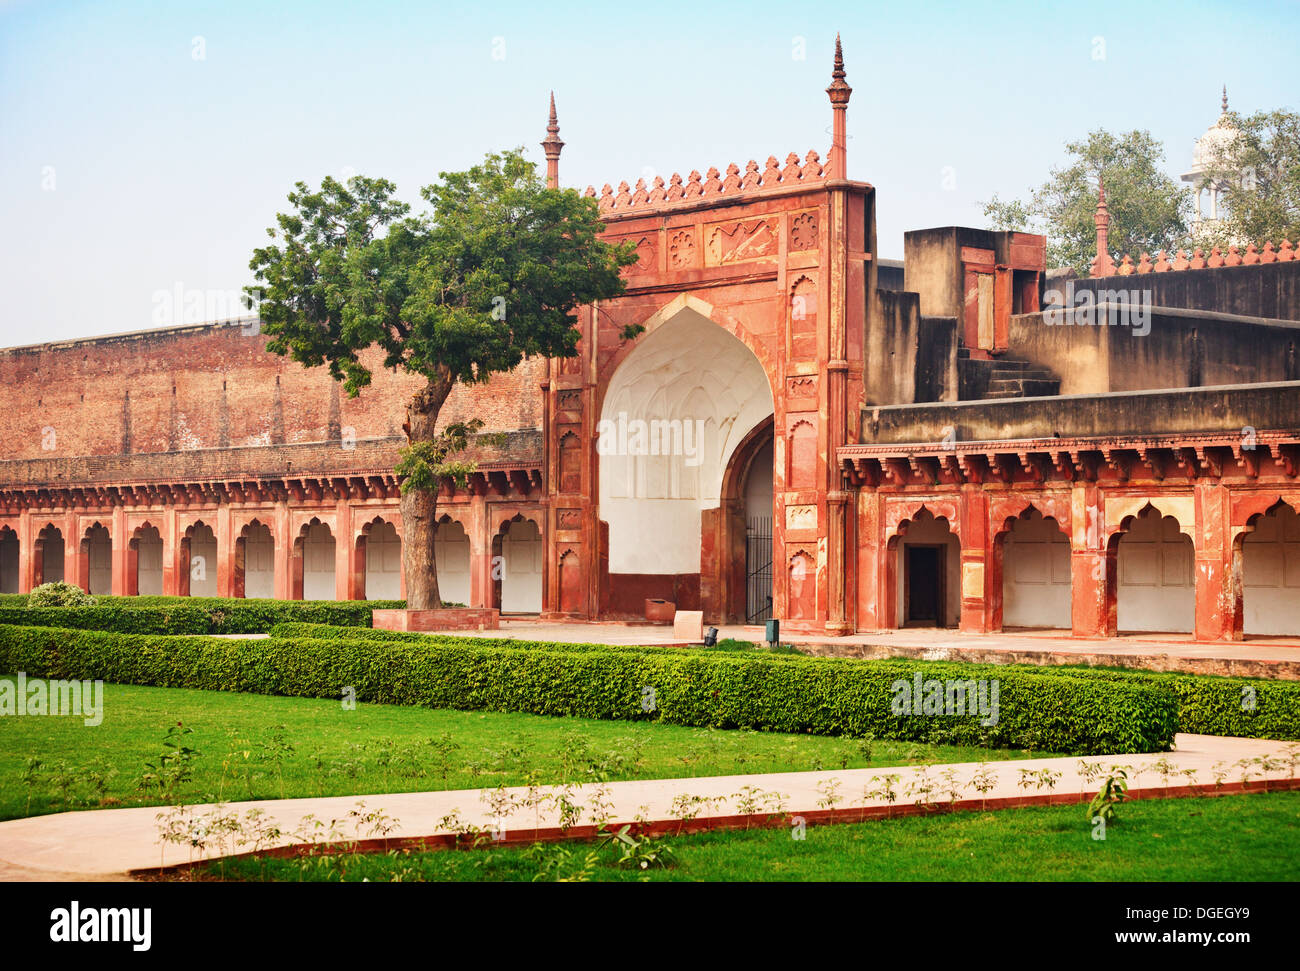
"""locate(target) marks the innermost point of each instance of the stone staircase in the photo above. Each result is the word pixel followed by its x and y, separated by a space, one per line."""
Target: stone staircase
pixel 1003 377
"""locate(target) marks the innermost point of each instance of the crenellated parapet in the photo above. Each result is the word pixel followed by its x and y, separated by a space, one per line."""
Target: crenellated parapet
pixel 1198 259
pixel 773 175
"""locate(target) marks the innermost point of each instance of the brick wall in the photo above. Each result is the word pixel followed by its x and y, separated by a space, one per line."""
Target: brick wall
pixel 213 386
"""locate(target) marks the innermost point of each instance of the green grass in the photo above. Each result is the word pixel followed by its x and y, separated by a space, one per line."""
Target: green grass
pixel 382 748
pixel 1229 838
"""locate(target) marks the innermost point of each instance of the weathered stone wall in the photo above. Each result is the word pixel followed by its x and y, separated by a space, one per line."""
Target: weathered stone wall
pixel 214 386
pixel 1190 411
pixel 1259 290
pixel 1174 348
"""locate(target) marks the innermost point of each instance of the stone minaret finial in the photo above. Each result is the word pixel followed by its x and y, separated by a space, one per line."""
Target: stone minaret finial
pixel 839 92
pixel 552 146
pixel 1225 99
pixel 1102 264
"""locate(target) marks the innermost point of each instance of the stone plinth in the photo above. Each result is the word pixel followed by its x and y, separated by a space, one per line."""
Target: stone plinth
pixel 448 618
pixel 688 625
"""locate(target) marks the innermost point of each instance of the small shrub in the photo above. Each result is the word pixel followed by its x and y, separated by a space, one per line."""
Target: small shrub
pixel 59 594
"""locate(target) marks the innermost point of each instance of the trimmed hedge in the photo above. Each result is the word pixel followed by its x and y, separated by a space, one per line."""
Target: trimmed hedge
pixel 1207 704
pixel 826 696
pixel 194 615
pixel 1210 704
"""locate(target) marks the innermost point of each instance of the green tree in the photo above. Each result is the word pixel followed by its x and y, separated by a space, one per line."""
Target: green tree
pixel 1259 171
pixel 1148 210
pixel 488 274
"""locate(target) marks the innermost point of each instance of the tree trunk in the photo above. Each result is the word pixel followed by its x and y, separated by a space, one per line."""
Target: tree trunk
pixel 419 506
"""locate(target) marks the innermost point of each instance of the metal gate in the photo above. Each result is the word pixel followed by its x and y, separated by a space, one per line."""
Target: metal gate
pixel 758 570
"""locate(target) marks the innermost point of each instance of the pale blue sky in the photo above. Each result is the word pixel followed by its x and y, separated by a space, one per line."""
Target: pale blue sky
pixel 130 166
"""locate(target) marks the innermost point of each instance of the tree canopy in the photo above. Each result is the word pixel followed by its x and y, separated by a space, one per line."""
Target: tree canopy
pixel 1259 171
pixel 1149 211
pixel 491 271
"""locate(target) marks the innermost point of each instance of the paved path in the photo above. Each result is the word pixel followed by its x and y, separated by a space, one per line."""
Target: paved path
pixel 1277 657
pixel 108 843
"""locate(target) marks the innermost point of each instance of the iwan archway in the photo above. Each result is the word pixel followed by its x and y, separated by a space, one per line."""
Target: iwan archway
pixel 685 427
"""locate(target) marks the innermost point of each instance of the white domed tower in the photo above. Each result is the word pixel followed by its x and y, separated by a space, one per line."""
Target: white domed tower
pixel 1209 147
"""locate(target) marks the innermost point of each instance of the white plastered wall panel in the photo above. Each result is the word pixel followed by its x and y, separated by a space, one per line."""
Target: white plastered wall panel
pixel 1156 586
pixel 203 563
pixel 1036 574
pixel 688 370
pixel 149 563
pixel 451 560
pixel 100 556
pixel 383 563
pixel 259 563
pixel 318 564
pixel 1271 574
pixel 521 568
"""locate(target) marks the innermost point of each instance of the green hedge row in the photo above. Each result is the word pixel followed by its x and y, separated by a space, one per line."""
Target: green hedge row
pixel 826 696
pixel 1207 704
pixel 194 615
pixel 1218 705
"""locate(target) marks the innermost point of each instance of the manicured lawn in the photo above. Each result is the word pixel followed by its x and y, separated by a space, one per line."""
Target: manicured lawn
pixel 1229 838
pixel 258 746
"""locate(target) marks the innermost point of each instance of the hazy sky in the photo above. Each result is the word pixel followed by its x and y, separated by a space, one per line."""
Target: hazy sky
pixel 145 147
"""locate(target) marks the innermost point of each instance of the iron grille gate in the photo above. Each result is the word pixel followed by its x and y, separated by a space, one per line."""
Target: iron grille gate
pixel 758 570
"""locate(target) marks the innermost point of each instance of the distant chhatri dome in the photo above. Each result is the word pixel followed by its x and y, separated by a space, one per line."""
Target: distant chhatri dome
pixel 1206 152
pixel 1216 138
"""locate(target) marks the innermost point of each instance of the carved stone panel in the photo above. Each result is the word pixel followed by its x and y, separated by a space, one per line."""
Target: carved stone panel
pixel 740 241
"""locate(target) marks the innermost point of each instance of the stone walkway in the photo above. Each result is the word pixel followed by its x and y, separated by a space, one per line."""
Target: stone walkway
pixel 110 843
pixel 1271 657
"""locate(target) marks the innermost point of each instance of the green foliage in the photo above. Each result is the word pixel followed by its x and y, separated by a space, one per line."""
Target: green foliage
pixel 825 696
pixel 174 767
pixel 1260 173
pixel 1148 210
pixel 489 273
pixel 194 615
pixel 59 594
pixel 424 465
pixel 1113 792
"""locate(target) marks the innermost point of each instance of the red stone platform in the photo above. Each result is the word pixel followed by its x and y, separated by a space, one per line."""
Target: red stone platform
pixel 447 618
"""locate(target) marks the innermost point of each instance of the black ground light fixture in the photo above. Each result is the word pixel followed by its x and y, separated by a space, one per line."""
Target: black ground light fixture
pixel 773 632
pixel 710 636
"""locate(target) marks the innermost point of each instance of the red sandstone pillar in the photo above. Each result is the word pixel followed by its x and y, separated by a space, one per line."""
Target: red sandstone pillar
pixel 1219 603
pixel 76 567
pixel 1092 567
pixel 225 553
pixel 344 545
pixel 283 552
pixel 396 519
pixel 26 552
pixel 871 562
pixel 132 574
pixel 122 563
pixel 837 505
pixel 171 554
pixel 975 578
pixel 480 554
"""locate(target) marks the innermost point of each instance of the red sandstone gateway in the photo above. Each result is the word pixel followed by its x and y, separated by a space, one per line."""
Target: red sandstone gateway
pixel 812 434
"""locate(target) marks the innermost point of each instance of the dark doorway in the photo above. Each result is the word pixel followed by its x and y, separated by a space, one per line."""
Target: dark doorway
pixel 924 588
